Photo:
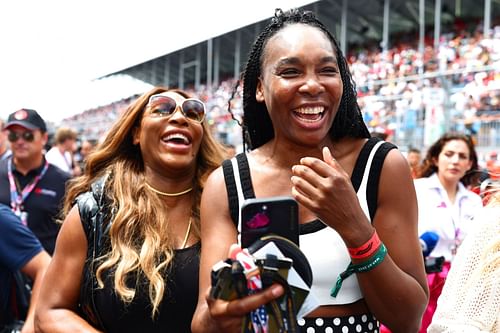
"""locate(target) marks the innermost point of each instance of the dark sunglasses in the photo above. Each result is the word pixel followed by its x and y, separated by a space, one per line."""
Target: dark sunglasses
pixel 164 106
pixel 27 136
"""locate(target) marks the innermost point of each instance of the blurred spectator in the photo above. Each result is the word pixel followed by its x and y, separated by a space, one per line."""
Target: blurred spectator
pixel 493 165
pixel 4 148
pixel 414 157
pixel 61 154
pixel 379 134
pixel 85 149
pixel 230 150
pixel 31 186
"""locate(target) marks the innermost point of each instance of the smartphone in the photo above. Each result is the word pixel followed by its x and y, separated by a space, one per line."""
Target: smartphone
pixel 272 215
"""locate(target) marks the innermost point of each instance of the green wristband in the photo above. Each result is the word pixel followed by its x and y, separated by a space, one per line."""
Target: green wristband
pixel 362 267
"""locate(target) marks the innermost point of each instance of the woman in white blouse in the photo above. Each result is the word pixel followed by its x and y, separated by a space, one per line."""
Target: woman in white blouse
pixel 445 205
pixel 470 301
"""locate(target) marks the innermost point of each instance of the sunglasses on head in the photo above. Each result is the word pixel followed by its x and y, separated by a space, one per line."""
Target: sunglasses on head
pixel 27 136
pixel 164 106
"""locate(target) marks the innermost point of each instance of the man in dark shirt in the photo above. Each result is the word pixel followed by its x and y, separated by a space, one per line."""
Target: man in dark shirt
pixel 21 251
pixel 32 187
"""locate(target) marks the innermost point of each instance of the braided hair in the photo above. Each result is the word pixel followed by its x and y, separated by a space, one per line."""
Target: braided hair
pixel 257 125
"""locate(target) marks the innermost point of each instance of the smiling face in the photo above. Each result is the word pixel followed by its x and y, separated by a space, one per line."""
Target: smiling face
pixel 301 84
pixel 168 144
pixel 453 161
pixel 24 150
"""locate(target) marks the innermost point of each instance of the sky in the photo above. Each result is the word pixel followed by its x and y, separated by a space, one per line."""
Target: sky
pixel 54 51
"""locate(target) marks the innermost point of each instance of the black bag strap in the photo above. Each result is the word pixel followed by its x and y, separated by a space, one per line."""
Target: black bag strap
pixel 232 192
pixel 245 177
pixel 243 169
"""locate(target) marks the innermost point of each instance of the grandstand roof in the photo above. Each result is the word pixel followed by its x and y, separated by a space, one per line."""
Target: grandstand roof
pixel 365 20
pixel 189 22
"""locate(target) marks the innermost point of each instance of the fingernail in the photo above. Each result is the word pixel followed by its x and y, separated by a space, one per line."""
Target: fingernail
pixel 277 290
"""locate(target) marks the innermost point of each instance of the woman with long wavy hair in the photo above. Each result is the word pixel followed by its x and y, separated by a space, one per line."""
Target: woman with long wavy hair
pixel 127 255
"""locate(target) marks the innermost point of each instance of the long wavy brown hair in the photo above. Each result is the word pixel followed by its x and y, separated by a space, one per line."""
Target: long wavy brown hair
pixel 429 163
pixel 140 242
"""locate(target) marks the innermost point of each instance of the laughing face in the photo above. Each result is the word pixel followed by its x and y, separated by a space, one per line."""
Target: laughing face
pixel 300 84
pixel 169 143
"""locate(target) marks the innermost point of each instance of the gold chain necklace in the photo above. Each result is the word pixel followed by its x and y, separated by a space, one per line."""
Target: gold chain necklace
pixel 169 194
pixel 187 234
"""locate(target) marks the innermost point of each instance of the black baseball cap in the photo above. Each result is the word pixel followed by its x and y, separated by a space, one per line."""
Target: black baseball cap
pixel 27 118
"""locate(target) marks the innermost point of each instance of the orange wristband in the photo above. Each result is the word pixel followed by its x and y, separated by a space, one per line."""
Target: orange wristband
pixel 367 249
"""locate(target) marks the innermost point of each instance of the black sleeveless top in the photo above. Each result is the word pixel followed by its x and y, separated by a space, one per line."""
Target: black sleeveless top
pixel 104 309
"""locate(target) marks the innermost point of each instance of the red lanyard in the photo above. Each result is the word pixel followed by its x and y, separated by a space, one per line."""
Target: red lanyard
pixel 17 199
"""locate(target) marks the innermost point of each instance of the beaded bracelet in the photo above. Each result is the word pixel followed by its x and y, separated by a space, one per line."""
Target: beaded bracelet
pixel 362 267
pixel 367 249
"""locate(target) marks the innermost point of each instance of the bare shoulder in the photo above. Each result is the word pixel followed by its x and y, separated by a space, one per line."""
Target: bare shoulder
pixel 395 164
pixel 68 261
pixel 396 193
pixel 214 197
pixel 215 181
pixel 71 243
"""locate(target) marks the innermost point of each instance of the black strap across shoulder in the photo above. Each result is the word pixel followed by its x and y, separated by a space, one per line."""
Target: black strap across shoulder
pixel 359 167
pixel 245 180
pixel 232 192
pixel 374 176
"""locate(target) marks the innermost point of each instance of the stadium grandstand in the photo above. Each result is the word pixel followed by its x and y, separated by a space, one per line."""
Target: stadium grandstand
pixel 420 67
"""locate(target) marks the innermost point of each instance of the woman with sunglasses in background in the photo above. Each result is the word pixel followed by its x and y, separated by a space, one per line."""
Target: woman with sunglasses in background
pixel 128 254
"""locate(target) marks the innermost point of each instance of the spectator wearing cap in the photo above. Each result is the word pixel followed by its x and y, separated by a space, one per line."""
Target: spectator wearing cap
pixel 31 186
pixel 4 148
pixel 61 154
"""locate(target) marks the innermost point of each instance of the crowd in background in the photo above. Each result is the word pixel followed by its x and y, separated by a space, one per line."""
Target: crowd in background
pixel 462 76
pixel 465 65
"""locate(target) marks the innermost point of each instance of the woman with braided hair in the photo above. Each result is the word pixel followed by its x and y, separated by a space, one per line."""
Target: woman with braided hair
pixel 357 205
